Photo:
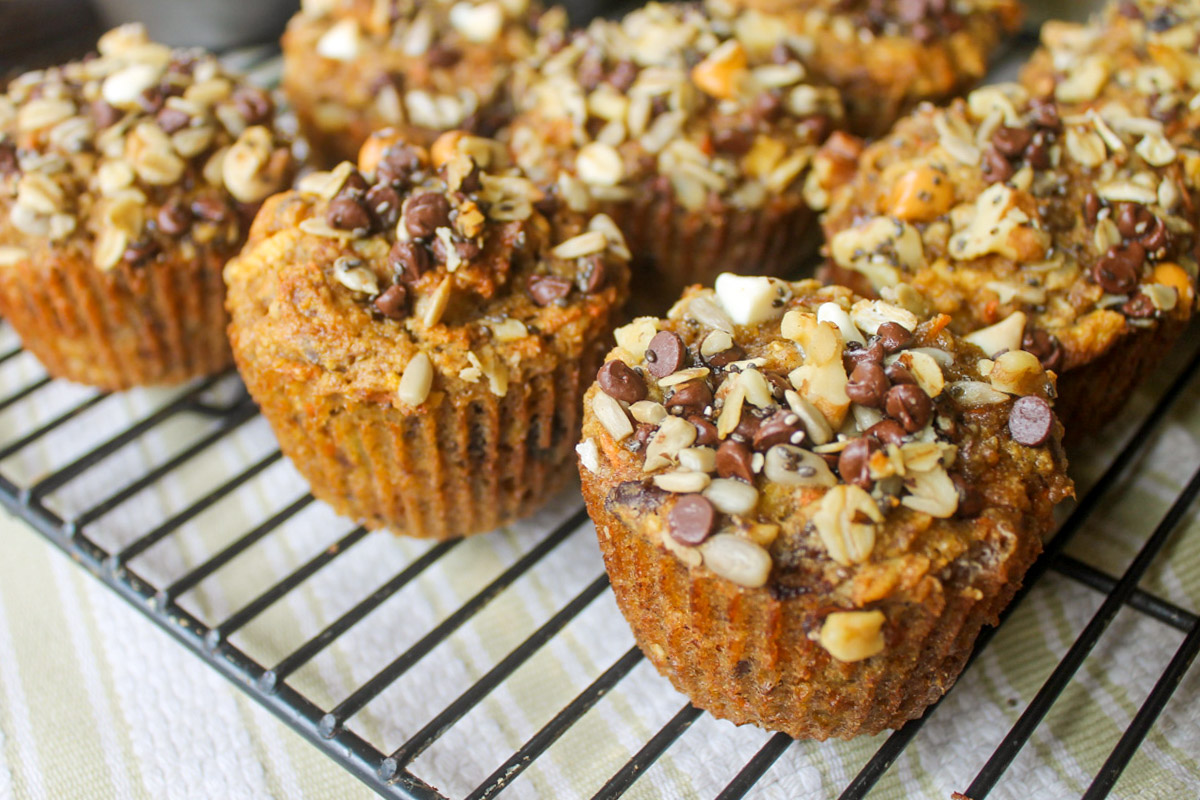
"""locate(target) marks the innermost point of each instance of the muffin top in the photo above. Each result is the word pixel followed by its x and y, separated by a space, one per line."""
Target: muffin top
pixel 1055 232
pixel 423 275
pixel 1135 58
pixel 134 152
pixel 433 61
pixel 664 94
pixel 806 440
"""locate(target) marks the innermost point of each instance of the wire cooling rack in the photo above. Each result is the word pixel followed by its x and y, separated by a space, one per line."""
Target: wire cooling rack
pixel 137 488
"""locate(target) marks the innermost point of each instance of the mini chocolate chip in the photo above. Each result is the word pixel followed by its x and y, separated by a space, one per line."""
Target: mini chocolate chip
pixel 898 374
pixel 621 382
pixel 594 272
pixel 706 432
pixel 1117 270
pixel 139 252
pixel 1045 346
pixel 1157 237
pixel 733 460
pixel 441 55
pixel 970 499
pixel 779 384
pixel 782 427
pixel 347 213
pixel 1030 421
pixel 173 218
pixel 747 426
pixel 995 167
pixel 734 141
pixel 397 165
pixel 409 260
pixel 1044 113
pixel 1011 142
pixel 665 354
pixel 909 405
pixel 894 337
pixel 172 120
pixel 1038 151
pixel 868 384
pixel 857 354
pixel 8 158
pixel 643 433
pixel 384 202
pixel 393 302
pixel 1091 208
pixel 354 186
pixel 210 209
pixel 767 107
pixel 692 519
pixel 854 462
pixel 691 395
pixel 726 357
pixel 151 100
pixel 104 115
pixel 547 206
pixel 545 289
pixel 425 213
pixel 466 250
pixel 888 431
pixel 253 104
pixel 1139 307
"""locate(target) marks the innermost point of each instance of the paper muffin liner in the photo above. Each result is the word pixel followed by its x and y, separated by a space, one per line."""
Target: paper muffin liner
pixel 752 656
pixel 674 248
pixel 466 462
pixel 160 323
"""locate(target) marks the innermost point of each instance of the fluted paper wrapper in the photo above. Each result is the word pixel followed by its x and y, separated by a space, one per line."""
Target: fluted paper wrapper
pixel 160 323
pixel 748 656
pixel 466 462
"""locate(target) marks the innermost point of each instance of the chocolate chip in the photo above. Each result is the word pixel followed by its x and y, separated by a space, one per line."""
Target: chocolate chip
pixel 8 158
pixel 909 405
pixel 409 260
pixel 995 167
pixel 393 303
pixel 867 385
pixel 692 519
pixel 1038 151
pixel 441 55
pixel 1045 346
pixel 726 357
pixel 254 105
pixel 691 395
pixel 1132 219
pixel 856 354
pixel 545 289
pixel 139 252
pixel 854 462
pixel 467 250
pixel 1030 421
pixel 623 75
pixel 104 115
pixel 347 213
pixel 767 107
pixel 747 426
pixel 1011 142
pixel 384 202
pixel 1157 237
pixel 1044 113
pixel 970 499
pixel 210 209
pixel 425 213
pixel 734 459
pixel 151 100
pixel 734 141
pixel 1117 270
pixel 898 374
pixel 173 218
pixel 1091 208
pixel 355 185
pixel 887 431
pixel 706 432
pixel 782 427
pixel 621 382
pixel 172 120
pixel 1139 307
pixel 397 165
pixel 665 354
pixel 594 272
pixel 894 337
pixel 643 433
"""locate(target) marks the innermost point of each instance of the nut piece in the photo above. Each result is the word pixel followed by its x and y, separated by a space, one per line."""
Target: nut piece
pixel 835 314
pixel 610 414
pixel 931 493
pixel 674 435
pixel 252 170
pixel 751 300
pixel 718 74
pixel 853 635
pixel 477 23
pixel 731 496
pixel 589 455
pixel 839 522
pixel 416 381
pixel 342 42
pixel 355 276
pixel 736 559
pixel 1017 372
pixel 1006 334
pixel 600 164
pixel 789 465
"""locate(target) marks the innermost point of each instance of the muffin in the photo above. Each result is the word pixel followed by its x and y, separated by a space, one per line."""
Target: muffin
pixel 1134 59
pixel 697 144
pixel 884 57
pixel 810 503
pixel 419 334
pixel 1070 235
pixel 126 182
pixel 351 67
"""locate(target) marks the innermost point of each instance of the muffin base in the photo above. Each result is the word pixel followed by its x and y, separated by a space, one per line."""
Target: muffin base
pixel 463 464
pixel 161 323
pixel 749 656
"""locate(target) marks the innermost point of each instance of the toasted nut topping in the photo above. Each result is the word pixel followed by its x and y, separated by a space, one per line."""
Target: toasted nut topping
pixel 1086 147
pixel 1084 82
pixel 509 330
pixel 751 300
pixel 585 244
pixel 416 381
pixel 932 493
pixel 845 519
pixel 351 273
pixel 1174 276
pixel 1017 372
pixel 974 394
pixel 589 455
pixel 789 465
pixel 852 636
pixel 109 247
pixel 648 412
pixel 1156 150
pixel 926 371
pixel 868 315
pixel 698 459
pixel 11 255
pixel 719 73
pixel 736 559
pixel 815 424
pixel 342 42
pixel 674 435
pixel 635 337
pixel 835 314
pixel 477 23
pixel 251 170
pixel 731 496
pixel 610 414
pixel 437 302
pixel 600 164
pixel 1004 335
pixel 681 482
